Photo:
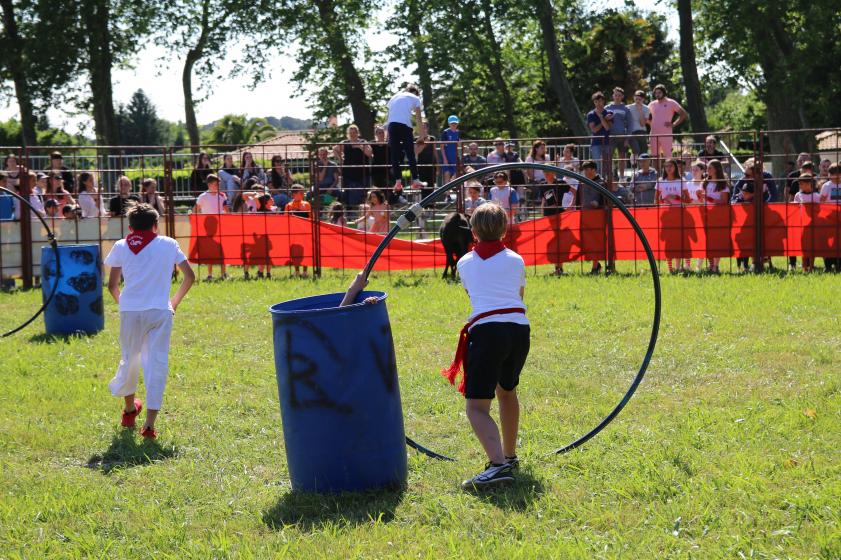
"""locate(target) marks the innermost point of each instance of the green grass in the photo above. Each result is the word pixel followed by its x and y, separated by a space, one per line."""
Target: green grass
pixel 719 454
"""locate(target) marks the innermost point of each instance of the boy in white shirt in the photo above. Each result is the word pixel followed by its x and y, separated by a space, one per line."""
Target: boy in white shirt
pixel 145 259
pixel 493 345
pixel 831 189
pixel 504 195
pixel 212 202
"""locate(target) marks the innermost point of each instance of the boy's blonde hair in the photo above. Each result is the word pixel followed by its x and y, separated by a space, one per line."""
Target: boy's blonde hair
pixel 489 222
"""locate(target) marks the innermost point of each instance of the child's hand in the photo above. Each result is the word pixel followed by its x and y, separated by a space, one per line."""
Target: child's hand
pixel 370 300
pixel 358 284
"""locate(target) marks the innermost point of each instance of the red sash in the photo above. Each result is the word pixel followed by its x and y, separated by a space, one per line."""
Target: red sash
pixel 137 240
pixel 487 249
pixel 457 366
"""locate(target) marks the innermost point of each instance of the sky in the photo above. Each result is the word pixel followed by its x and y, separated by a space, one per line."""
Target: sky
pixel 160 79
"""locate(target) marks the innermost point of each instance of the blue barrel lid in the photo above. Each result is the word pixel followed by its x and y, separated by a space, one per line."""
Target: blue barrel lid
pixel 322 303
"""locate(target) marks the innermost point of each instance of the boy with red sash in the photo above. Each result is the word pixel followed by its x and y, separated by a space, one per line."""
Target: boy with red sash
pixel 493 345
pixel 145 259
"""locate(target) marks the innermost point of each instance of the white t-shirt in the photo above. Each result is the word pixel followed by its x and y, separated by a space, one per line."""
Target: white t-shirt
pixel 211 203
pixel 502 196
pixel 692 188
pixel 401 107
pixel 634 117
pixel 714 195
pixel 831 191
pixel 810 198
pixel 538 173
pixel 494 283
pixel 88 204
pixel 668 190
pixel 147 276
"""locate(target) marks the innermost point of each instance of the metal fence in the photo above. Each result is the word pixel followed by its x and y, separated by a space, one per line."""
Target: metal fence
pixel 350 184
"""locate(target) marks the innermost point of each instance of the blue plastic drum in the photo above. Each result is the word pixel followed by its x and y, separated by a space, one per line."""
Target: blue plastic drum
pixel 77 304
pixel 339 396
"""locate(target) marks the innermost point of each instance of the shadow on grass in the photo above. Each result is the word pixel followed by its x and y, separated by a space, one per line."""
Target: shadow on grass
pixel 53 338
pixel 518 496
pixel 125 452
pixel 311 512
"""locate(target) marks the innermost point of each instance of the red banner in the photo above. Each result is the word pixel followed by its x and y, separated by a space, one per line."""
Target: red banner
pixel 672 232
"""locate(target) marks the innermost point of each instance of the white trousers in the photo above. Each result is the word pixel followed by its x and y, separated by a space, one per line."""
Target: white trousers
pixel 144 341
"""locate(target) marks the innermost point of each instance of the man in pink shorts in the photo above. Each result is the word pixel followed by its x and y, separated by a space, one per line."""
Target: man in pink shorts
pixel 663 110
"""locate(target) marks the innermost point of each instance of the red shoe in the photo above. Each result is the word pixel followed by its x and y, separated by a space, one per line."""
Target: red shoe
pixel 148 433
pixel 128 417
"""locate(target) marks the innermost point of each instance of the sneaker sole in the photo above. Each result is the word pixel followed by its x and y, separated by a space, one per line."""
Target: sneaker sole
pixel 470 485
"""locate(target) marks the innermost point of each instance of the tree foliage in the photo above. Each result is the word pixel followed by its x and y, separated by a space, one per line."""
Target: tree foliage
pixel 138 122
pixel 232 130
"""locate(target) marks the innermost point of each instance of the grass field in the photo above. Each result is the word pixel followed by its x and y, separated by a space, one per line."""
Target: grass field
pixel 731 447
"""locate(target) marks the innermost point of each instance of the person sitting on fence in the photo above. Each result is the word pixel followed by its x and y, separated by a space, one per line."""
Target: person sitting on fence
pixel 118 204
pixel 149 195
pixel 229 176
pixel 212 201
pixel 251 169
pixel 503 194
pixel 57 166
pixel 198 178
pixel 474 199
pixel 90 201
pixel 401 107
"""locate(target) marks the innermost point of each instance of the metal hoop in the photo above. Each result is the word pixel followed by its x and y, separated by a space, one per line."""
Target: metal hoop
pixel 412 214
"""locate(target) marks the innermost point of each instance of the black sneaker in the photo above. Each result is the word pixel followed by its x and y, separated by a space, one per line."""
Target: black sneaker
pixel 493 475
pixel 513 462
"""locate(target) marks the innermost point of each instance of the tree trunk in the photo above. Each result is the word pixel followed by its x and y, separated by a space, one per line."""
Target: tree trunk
pixel 413 26
pixel 694 98
pixel 494 64
pixel 96 20
pixel 16 68
pixel 363 115
pixel 193 56
pixel 557 71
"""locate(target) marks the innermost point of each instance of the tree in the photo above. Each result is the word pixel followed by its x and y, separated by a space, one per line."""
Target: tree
pixel 138 122
pixel 234 130
pixel 694 99
pixel 16 64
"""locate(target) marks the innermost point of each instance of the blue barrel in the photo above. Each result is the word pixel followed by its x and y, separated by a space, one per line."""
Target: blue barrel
pixel 77 304
pixel 339 395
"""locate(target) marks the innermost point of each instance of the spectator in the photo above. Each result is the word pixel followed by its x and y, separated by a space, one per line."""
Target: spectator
pixel 212 201
pixel 56 191
pixel 7 201
pixel 644 182
pixel 198 178
pixel 12 171
pixel 118 204
pixel 671 192
pixel 807 195
pixel 474 199
pixel 619 129
pixel 401 107
pixel 497 155
pixel 804 165
pixel 326 174
pixel 663 110
pixel 717 192
pixel 695 187
pixel 298 206
pixel 638 117
pixel 590 198
pixel 709 151
pixel 250 169
pixel 353 154
pixel 337 214
pixel 599 121
pixel 570 162
pixel 374 217
pixel 379 159
pixel 427 158
pixel 71 212
pixel 684 167
pixel 51 208
pixel 149 195
pixel 518 178
pixel 57 166
pixel 244 201
pixel 280 179
pixel 769 187
pixel 449 150
pixel 823 171
pixel 473 159
pixel 503 193
pixel 831 192
pixel 90 201
pixel 38 182
pixel 536 155
pixel 229 176
pixel 743 192
pixel 551 202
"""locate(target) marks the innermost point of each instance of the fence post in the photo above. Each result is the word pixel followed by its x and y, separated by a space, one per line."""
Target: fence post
pixel 315 214
pixel 25 222
pixel 759 204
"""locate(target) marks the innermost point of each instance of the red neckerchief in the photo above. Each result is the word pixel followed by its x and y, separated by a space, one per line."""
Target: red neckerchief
pixel 137 240
pixel 456 367
pixel 487 249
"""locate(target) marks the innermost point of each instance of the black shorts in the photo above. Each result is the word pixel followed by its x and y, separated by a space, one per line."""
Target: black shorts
pixel 495 356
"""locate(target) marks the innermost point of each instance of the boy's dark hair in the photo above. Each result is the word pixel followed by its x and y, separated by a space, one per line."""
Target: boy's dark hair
pixel 142 216
pixel 589 164
pixel 662 88
pixel 250 182
pixel 212 179
pixel 412 88
pixel 597 95
pixel 619 89
pixel 834 169
pixel 56 155
pixel 147 182
pixel 639 93
pixel 297 187
pixel 808 165
pixel 572 148
pixel 51 203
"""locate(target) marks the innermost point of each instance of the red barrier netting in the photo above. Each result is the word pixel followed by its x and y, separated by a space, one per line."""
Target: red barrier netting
pixel 673 232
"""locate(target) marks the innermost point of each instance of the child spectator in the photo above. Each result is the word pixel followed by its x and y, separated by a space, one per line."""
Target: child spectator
pixel 145 260
pixel 449 151
pixel 743 194
pixel 427 160
pixel 212 202
pixel 718 193
pixel 301 208
pixel 51 208
pixel 591 199
pixel 198 178
pixel 337 214
pixel 474 198
pixel 251 169
pixel 70 212
pixel 118 204
pixel 807 195
pixel 149 195
pixel 56 191
pixel 831 192
pixel 90 201
pixel 537 155
pixel 280 179
pixel 493 345
pixel 670 192
pixel 504 195
pixel 374 217
pixel 644 182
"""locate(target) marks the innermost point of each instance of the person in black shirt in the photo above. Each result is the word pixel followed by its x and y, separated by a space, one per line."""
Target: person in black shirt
pixel 427 157
pixel 198 178
pixel 118 204
pixel 354 155
pixel 56 166
pixel 710 152
pixel 379 159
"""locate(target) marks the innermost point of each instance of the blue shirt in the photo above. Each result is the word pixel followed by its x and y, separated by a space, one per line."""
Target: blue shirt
pixel 450 149
pixel 601 137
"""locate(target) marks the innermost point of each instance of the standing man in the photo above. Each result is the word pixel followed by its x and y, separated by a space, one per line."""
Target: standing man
pixel 638 117
pixel 401 140
pixel 449 151
pixel 619 128
pixel 663 110
pixel 473 159
pixel 599 122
